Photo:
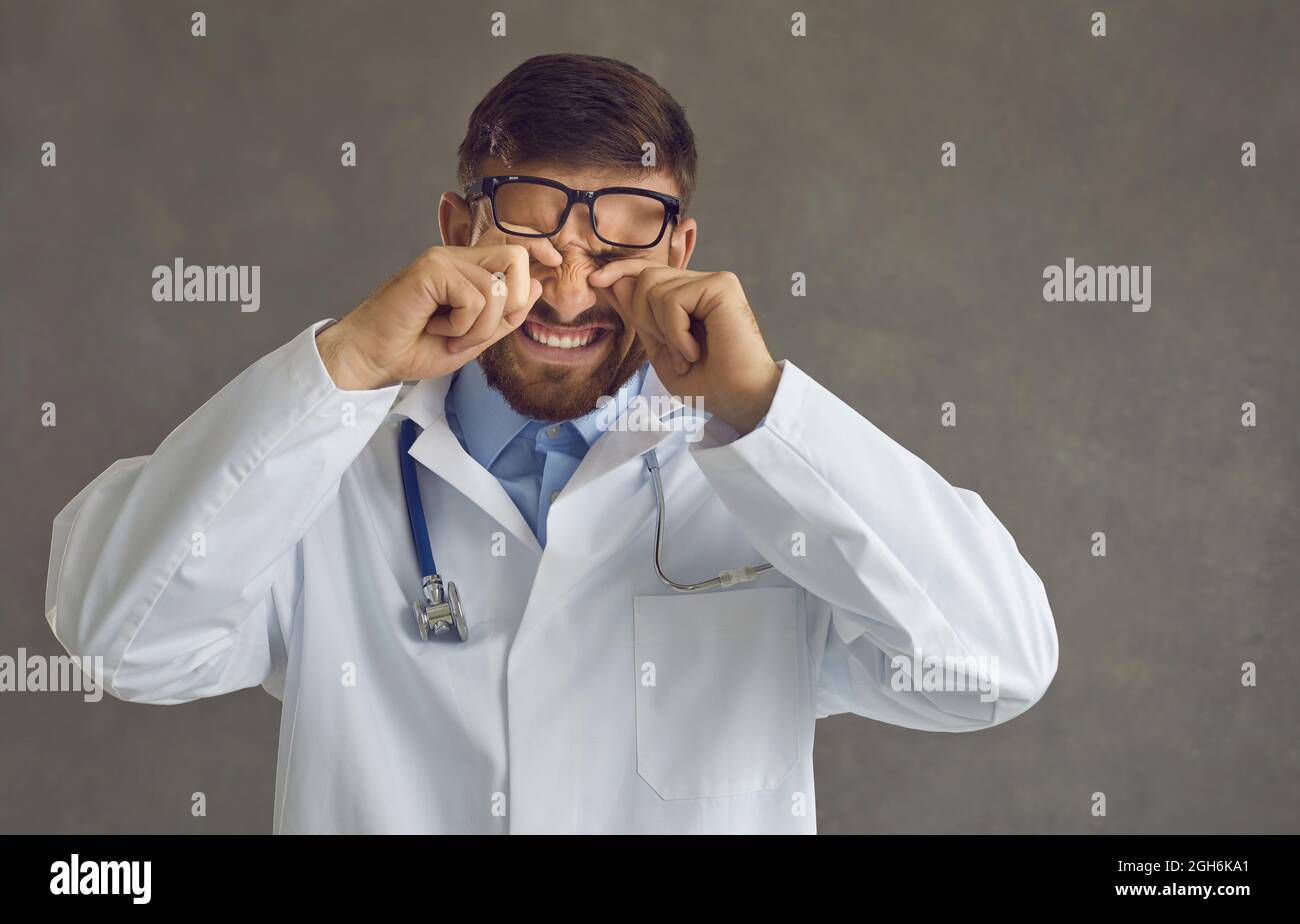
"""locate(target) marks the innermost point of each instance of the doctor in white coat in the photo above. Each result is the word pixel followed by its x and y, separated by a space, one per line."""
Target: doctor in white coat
pixel 266 542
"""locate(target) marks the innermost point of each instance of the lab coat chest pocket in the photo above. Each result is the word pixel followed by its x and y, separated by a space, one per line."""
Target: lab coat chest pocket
pixel 717 691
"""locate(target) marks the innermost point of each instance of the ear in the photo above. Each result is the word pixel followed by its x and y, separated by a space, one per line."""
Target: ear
pixel 455 221
pixel 682 243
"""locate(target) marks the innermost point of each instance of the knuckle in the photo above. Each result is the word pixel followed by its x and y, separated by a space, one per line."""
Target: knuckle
pixel 435 262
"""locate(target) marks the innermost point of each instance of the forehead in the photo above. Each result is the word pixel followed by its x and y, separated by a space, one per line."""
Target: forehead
pixel 583 177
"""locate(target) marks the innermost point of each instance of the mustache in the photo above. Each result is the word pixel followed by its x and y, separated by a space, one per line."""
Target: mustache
pixel 595 316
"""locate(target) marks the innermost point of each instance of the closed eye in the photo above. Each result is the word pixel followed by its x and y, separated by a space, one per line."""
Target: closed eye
pixel 611 256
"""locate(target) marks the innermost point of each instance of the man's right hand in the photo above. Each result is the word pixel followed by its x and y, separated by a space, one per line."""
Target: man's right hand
pixel 436 315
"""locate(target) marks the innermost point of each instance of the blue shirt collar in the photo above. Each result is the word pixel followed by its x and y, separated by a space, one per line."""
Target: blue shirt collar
pixel 489 423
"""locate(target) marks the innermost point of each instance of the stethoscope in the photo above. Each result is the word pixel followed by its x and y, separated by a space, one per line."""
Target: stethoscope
pixel 440 612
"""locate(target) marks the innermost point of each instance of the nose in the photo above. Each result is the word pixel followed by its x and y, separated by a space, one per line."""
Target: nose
pixel 565 286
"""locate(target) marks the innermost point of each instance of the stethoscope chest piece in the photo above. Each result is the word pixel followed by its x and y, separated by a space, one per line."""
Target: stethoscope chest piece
pixel 440 613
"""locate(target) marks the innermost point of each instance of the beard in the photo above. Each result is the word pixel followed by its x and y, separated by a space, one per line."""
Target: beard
pixel 554 392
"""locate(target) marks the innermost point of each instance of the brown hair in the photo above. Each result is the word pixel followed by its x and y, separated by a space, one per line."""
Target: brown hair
pixel 580 110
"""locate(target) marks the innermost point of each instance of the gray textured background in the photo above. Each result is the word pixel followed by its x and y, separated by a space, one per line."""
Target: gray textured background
pixel 818 155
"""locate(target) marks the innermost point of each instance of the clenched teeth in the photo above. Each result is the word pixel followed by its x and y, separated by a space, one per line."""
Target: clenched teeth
pixel 567 342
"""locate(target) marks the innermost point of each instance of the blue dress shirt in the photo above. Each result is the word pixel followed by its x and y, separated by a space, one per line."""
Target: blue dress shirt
pixel 532 459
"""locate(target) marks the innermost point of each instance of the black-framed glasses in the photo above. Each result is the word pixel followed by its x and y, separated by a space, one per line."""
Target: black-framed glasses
pixel 621 216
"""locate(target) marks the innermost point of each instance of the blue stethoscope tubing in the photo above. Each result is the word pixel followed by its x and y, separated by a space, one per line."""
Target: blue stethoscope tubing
pixel 440 612
pixel 414 506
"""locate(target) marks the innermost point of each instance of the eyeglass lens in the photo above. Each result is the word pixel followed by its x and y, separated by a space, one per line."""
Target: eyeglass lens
pixel 621 219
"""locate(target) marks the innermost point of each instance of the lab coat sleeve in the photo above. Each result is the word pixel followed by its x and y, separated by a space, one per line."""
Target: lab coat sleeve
pixel 182 569
pixel 915 572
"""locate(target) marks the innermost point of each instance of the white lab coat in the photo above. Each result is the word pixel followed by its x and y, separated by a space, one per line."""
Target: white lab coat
pixel 590 697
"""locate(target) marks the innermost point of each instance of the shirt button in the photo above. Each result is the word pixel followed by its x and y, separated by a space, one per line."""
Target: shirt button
pixel 554 495
pixel 553 431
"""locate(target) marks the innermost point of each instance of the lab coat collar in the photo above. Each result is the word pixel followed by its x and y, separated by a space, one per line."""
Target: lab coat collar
pixel 437 449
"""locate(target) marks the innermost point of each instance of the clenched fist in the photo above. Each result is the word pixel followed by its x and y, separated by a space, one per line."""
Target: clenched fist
pixel 434 316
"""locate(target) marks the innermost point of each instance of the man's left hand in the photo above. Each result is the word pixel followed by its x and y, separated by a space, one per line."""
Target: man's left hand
pixel 700 334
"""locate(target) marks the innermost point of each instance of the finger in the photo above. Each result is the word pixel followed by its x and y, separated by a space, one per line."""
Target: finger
pixel 505 327
pixel 509 321
pixel 541 249
pixel 511 262
pixel 515 318
pixel 623 294
pixel 672 308
pixel 611 273
pixel 485 324
pixel 463 300
pixel 456 302
pixel 620 294
pixel 652 285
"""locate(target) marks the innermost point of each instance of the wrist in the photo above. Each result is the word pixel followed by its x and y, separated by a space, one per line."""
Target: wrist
pixel 743 412
pixel 347 364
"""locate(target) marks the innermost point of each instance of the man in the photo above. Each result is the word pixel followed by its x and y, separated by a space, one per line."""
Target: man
pixel 267 542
